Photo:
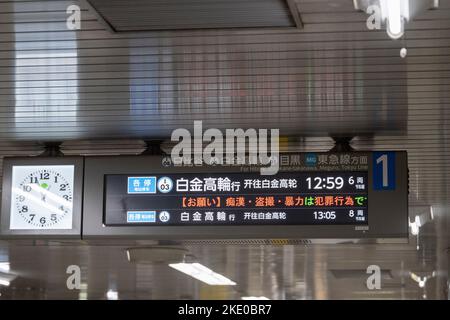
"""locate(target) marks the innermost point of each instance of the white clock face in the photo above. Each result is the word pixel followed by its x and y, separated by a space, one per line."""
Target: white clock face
pixel 42 197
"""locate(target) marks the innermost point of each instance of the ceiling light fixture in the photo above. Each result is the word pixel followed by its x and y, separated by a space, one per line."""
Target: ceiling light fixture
pixel 422 281
pixel 5 266
pixel 393 14
pixel 415 226
pixel 112 295
pixel 4 282
pixel 202 273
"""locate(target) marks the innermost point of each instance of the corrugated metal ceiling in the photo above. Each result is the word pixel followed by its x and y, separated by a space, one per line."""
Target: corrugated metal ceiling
pixel 332 77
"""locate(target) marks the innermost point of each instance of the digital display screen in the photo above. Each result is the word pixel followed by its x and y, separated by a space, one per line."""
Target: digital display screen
pixel 287 198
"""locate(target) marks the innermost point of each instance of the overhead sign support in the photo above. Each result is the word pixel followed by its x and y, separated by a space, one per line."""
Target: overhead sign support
pixel 334 195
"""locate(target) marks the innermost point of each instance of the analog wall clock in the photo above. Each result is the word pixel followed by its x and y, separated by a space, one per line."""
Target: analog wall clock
pixel 42 196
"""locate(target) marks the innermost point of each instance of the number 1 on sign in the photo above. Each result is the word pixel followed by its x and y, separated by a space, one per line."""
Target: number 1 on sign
pixel 384 161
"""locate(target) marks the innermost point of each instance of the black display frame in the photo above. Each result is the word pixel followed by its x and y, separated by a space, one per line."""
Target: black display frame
pixel 384 206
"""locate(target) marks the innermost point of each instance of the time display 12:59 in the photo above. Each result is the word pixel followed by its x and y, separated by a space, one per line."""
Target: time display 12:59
pixel 329 183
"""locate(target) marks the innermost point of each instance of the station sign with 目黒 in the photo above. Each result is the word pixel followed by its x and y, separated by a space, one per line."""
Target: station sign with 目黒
pixel 356 195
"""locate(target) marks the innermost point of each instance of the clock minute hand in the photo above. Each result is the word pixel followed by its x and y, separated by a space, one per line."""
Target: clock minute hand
pixel 52 196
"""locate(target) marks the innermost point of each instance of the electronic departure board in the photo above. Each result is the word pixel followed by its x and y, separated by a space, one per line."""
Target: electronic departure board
pixel 287 198
pixel 352 195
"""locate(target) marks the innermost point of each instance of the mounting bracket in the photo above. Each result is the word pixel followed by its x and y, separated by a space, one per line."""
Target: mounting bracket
pixel 153 147
pixel 342 144
pixel 52 149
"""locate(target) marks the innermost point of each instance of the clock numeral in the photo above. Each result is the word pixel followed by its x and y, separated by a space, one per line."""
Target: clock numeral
pixel 32 215
pixel 21 198
pixel 45 175
pixel 56 179
pixel 61 208
pixel 33 179
pixel 24 209
pixel 53 217
pixel 66 197
pixel 26 188
pixel 42 220
pixel 63 187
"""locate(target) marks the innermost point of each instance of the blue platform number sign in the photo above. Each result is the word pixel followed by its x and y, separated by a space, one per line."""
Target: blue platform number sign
pixel 141 185
pixel 384 170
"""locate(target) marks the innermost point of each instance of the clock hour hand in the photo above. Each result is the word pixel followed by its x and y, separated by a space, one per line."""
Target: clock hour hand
pixel 44 186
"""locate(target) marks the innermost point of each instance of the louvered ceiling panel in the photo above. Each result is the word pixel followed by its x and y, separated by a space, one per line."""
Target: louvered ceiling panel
pixel 138 15
pixel 332 77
